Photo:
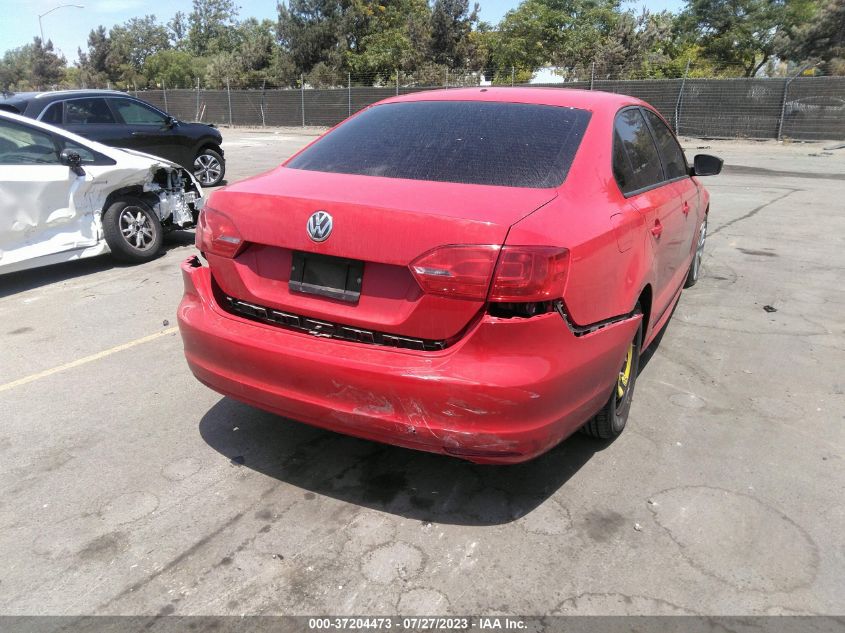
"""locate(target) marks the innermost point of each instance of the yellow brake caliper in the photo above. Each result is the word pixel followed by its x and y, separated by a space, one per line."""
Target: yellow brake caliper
pixel 625 374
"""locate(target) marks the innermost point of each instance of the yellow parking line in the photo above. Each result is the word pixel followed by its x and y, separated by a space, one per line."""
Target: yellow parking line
pixel 86 359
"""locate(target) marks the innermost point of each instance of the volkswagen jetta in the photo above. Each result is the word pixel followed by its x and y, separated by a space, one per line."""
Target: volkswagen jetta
pixel 473 272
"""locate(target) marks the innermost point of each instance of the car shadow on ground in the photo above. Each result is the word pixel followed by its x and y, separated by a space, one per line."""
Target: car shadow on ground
pixel 412 484
pixel 13 283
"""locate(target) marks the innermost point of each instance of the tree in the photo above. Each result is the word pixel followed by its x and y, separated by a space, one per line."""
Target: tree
pixel 742 33
pixel 131 44
pixel 32 67
pixel 178 28
pixel 93 66
pixel 639 45
pixel 385 37
pixel 173 68
pixel 255 44
pixel 14 68
pixel 562 33
pixel 451 24
pixel 253 60
pixel 209 26
pixel 821 37
pixel 311 32
pixel 46 68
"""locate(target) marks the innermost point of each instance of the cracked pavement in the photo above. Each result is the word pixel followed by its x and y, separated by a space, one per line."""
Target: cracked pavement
pixel 126 487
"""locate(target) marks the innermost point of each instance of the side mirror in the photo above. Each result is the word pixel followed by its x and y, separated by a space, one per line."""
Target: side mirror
pixel 171 122
pixel 73 160
pixel 706 165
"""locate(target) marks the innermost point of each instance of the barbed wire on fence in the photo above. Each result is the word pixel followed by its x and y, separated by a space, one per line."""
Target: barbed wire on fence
pixel 696 102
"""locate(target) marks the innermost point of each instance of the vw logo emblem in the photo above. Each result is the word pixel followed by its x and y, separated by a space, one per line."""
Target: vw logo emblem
pixel 319 226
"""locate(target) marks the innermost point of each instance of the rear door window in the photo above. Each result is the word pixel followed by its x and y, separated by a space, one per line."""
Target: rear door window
pixel 622 170
pixel 93 111
pixel 638 144
pixel 473 142
pixel 135 113
pixel 53 113
pixel 674 163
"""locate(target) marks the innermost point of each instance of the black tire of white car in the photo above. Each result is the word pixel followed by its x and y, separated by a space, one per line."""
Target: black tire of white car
pixel 209 168
pixel 611 419
pixel 132 230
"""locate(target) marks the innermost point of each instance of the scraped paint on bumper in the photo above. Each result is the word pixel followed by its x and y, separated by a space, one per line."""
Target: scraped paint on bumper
pixel 508 391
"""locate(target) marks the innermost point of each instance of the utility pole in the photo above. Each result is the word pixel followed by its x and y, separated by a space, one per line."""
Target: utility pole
pixel 783 100
pixel 302 96
pixel 263 90
pixel 680 98
pixel 229 95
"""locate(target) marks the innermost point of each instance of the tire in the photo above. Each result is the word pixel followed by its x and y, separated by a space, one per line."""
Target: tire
pixel 132 230
pixel 209 168
pixel 695 267
pixel 609 422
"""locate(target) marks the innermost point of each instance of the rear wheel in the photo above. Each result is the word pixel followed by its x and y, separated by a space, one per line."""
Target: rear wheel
pixel 610 421
pixel 695 266
pixel 132 230
pixel 209 168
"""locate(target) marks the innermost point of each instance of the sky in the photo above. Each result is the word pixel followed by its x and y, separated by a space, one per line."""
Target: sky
pixel 68 27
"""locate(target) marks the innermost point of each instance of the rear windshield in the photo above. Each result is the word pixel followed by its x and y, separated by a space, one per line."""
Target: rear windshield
pixel 473 142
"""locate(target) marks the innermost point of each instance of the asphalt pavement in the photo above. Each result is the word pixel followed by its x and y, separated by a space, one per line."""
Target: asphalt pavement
pixel 127 487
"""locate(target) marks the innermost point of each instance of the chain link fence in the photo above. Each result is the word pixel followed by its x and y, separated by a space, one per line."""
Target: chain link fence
pixel 791 107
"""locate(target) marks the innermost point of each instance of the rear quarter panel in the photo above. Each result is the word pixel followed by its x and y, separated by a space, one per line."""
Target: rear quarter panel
pixel 610 262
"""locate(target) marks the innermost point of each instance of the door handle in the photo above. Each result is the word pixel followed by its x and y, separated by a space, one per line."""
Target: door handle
pixel 657 229
pixel 685 207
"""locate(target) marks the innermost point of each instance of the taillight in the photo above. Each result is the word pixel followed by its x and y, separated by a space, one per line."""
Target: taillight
pixel 216 234
pixel 523 273
pixel 530 273
pixel 456 271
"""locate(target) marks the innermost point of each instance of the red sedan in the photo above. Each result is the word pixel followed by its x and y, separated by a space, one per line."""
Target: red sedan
pixel 472 272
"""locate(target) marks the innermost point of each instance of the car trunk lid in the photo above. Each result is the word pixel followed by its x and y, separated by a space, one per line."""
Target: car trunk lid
pixel 386 223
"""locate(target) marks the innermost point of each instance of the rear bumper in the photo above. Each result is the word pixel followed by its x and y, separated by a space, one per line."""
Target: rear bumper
pixel 505 393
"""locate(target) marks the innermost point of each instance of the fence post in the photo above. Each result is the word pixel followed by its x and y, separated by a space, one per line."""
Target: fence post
pixel 446 76
pixel 349 94
pixel 229 97
pixel 302 96
pixel 197 114
pixel 513 76
pixel 783 100
pixel 263 92
pixel 680 98
pixel 592 74
pixel 397 82
pixel 164 91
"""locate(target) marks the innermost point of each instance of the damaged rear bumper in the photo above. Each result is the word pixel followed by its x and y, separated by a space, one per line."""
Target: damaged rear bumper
pixel 509 390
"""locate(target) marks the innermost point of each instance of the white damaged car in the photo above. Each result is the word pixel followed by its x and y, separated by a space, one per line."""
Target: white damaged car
pixel 63 197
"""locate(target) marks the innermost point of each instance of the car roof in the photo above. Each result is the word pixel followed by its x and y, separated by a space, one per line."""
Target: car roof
pixel 49 94
pixel 20 100
pixel 592 100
